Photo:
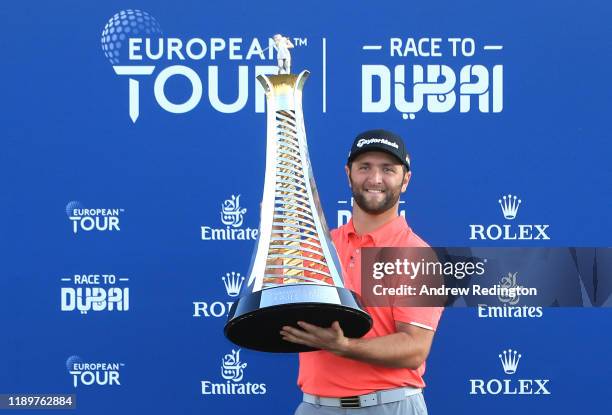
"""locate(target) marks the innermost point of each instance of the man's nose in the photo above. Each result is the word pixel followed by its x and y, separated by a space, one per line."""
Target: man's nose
pixel 376 176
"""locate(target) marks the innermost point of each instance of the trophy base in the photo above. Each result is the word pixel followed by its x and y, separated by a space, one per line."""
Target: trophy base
pixel 255 320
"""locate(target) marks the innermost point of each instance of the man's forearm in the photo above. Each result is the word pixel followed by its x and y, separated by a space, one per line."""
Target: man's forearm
pixel 408 347
pixel 399 350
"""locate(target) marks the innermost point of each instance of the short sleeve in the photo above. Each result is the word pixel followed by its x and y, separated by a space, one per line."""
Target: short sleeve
pixel 424 317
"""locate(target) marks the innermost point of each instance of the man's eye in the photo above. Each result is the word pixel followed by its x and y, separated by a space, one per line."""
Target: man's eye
pixel 389 170
pixel 363 168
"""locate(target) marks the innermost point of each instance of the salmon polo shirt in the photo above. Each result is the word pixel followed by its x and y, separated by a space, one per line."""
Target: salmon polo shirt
pixel 326 374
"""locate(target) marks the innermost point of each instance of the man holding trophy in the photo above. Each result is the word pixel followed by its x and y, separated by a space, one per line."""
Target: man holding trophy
pixel 381 373
pixel 302 294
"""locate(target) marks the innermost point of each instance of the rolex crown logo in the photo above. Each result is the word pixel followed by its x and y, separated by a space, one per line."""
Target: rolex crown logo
pixel 233 283
pixel 510 206
pixel 510 360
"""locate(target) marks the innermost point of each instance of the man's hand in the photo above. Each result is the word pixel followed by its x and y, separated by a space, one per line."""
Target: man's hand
pixel 331 339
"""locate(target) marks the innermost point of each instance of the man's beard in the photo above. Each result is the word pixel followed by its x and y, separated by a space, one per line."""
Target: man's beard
pixel 375 207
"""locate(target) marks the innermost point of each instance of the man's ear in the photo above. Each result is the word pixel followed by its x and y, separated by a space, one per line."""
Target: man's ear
pixel 348 174
pixel 406 180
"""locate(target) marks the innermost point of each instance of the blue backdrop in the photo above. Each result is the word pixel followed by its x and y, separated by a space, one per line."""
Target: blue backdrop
pixel 522 108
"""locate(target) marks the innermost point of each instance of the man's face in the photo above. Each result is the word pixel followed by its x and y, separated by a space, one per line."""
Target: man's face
pixel 377 179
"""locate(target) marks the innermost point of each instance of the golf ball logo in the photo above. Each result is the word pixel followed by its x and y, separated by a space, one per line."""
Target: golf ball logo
pixel 122 26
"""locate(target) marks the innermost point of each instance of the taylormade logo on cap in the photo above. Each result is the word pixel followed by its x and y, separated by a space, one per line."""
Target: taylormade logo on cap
pixel 364 142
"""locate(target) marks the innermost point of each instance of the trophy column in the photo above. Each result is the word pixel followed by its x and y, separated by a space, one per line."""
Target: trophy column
pixel 295 272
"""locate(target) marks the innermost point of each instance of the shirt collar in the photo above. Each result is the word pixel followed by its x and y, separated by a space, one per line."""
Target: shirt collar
pixel 383 233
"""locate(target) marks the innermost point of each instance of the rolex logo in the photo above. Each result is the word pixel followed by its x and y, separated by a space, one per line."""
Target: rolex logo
pixel 509 231
pixel 509 206
pixel 510 385
pixel 233 283
pixel 510 360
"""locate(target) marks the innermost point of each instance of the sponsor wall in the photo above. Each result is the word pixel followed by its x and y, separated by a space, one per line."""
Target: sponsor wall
pixel 133 154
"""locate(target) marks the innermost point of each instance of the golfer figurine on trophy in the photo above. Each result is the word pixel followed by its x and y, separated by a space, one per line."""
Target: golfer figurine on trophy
pixel 283 44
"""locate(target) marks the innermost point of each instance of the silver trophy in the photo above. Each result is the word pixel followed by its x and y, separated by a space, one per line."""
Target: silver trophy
pixel 295 274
